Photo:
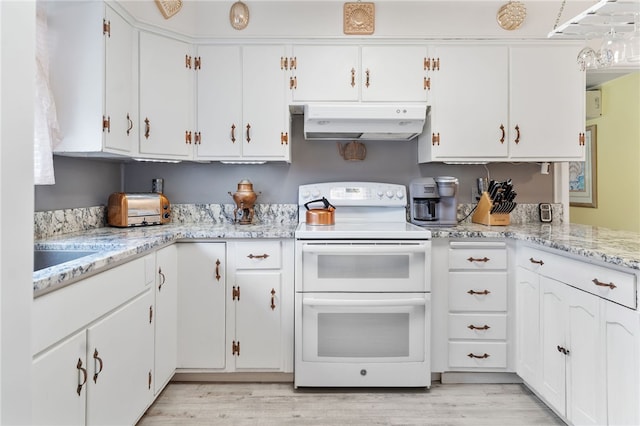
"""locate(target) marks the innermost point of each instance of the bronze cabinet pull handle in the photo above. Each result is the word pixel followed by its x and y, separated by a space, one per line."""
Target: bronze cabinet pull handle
pixel 147 128
pixel 248 135
pixel 484 292
pixel 353 77
pixel 130 124
pixel 517 134
pixel 259 256
pixel 233 133
pixel 563 350
pixel 162 279
pixel 601 284
pixel 217 269
pixel 273 299
pixel 483 356
pixel 539 262
pixel 84 376
pixel 367 73
pixel 473 327
pixel 97 358
pixel 473 259
pixel 503 133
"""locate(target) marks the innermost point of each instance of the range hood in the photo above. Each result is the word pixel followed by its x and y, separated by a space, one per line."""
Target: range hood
pixel 364 121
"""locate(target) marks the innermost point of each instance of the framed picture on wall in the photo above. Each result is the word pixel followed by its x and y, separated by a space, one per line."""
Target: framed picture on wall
pixel 583 181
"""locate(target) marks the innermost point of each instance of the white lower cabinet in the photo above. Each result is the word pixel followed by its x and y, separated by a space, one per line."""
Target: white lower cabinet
pixel 201 305
pixel 576 348
pixel 93 350
pixel 120 355
pixel 166 315
pixel 621 340
pixel 478 306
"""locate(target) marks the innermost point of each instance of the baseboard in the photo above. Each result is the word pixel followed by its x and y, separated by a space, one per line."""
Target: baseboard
pixel 449 377
pixel 256 377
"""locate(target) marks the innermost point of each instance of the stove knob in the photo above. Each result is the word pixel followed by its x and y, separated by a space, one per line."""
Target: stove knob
pixel 315 193
pixel 380 193
pixel 389 194
pixel 400 194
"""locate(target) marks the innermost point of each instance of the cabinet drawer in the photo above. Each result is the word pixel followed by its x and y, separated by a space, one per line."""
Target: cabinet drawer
pixel 477 256
pixel 258 255
pixel 478 354
pixel 608 283
pixel 471 291
pixel 478 327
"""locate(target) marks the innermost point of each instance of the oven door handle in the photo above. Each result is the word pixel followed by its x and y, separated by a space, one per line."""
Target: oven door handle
pixel 359 302
pixel 364 249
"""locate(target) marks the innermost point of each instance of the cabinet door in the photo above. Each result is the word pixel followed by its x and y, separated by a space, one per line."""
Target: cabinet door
pixel 394 73
pixel 326 73
pixel 468 124
pixel 553 311
pixel 59 383
pixel 220 102
pixel 546 103
pixel 119 88
pixel 166 314
pixel 165 97
pixel 258 319
pixel 120 354
pixel 585 378
pixel 201 305
pixel 264 104
pixel 622 345
pixel 528 326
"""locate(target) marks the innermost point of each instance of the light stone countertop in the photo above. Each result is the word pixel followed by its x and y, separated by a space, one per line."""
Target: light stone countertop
pixel 118 245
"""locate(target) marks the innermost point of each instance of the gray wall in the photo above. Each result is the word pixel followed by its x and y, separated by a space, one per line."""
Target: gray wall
pixel 87 182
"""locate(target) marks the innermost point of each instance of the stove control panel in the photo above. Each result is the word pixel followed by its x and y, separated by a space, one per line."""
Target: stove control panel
pixel 355 194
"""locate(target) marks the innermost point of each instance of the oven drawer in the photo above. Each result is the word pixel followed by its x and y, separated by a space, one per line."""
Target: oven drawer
pixel 477 256
pixel 258 255
pixel 471 291
pixel 478 354
pixel 478 326
pixel 356 328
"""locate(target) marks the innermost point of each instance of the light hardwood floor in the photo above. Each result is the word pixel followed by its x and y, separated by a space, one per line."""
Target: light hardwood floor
pixel 281 404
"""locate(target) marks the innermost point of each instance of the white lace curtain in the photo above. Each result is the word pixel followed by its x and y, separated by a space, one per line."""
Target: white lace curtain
pixel 46 130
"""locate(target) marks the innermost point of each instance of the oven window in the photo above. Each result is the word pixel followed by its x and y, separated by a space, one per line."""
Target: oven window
pixel 363 266
pixel 363 335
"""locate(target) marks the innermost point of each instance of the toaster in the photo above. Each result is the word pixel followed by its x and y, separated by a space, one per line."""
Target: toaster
pixel 139 209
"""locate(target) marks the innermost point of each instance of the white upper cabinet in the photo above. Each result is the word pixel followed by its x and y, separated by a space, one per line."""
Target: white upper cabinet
pixel 546 101
pixel 242 96
pixel 92 78
pixel 166 98
pixel 500 103
pixel 337 73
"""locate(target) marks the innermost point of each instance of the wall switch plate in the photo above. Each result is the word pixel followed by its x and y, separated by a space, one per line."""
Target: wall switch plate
pixel 545 212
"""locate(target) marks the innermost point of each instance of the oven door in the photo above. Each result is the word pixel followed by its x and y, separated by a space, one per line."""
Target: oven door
pixel 363 327
pixel 344 266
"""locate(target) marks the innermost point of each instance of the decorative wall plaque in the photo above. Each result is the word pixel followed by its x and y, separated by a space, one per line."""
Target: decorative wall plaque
pixel 359 18
pixel 168 8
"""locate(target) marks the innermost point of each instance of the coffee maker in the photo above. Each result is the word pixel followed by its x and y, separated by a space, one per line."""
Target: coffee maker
pixel 433 201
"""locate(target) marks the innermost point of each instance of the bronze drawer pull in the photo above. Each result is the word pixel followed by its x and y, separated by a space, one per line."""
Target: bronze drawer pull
pixel 483 356
pixel 218 270
pixel 473 259
pixel 484 292
pixel 162 279
pixel 84 376
pixel 97 358
pixel 273 299
pixel 473 327
pixel 601 284
pixel 539 262
pixel 259 256
pixel 563 350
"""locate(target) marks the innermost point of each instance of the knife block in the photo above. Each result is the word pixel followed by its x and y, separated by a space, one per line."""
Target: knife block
pixel 483 216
